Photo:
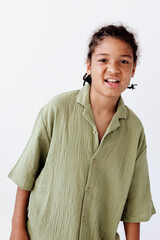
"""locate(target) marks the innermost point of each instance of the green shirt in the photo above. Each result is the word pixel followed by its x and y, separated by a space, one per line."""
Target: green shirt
pixel 80 189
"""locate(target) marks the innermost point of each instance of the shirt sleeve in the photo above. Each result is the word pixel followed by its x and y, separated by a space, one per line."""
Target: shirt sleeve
pixel 139 205
pixel 33 157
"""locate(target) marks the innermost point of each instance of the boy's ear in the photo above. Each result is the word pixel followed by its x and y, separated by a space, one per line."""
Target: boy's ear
pixel 134 69
pixel 88 67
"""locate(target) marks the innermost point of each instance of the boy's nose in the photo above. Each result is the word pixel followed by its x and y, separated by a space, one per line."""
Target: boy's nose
pixel 112 68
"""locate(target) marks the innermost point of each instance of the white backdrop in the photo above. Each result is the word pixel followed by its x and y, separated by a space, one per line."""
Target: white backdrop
pixel 43 47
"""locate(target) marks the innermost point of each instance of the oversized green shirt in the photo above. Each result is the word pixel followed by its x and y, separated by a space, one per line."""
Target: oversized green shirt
pixel 80 189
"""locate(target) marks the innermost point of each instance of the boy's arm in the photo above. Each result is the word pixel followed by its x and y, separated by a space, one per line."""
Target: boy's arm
pixel 19 216
pixel 132 230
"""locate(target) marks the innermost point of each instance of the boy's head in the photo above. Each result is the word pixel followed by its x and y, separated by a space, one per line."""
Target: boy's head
pixel 112 31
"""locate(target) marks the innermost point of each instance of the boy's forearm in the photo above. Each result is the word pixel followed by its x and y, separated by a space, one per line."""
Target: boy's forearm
pixel 21 203
pixel 132 230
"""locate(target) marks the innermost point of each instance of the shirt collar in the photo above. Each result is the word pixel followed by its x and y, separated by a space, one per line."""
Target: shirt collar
pixel 83 99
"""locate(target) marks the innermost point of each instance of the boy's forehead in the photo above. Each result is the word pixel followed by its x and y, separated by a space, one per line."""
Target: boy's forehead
pixel 110 44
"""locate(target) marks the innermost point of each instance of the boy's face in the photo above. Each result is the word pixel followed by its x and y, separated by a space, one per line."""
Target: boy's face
pixel 111 67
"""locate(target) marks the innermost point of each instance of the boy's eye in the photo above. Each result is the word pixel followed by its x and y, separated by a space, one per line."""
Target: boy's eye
pixel 102 60
pixel 124 62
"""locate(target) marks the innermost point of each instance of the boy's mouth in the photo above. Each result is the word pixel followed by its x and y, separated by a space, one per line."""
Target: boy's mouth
pixel 109 80
pixel 112 83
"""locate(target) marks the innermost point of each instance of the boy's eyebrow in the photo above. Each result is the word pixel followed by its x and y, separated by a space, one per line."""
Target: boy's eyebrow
pixel 102 54
pixel 126 55
pixel 106 54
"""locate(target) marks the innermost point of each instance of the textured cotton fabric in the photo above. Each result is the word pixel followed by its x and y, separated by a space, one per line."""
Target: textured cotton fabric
pixel 80 189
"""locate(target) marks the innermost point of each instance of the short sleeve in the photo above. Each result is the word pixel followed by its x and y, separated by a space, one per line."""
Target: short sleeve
pixel 33 157
pixel 139 205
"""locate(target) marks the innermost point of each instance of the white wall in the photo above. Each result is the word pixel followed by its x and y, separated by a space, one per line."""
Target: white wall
pixel 43 46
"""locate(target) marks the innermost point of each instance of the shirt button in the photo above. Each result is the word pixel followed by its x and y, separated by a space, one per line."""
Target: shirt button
pixel 94 132
pixel 94 160
pixel 83 218
pixel 88 189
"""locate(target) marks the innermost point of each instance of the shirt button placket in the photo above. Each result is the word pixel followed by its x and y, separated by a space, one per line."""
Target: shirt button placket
pixel 87 199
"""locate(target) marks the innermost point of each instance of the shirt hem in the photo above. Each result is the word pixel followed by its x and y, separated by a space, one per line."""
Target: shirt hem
pixel 17 182
pixel 138 219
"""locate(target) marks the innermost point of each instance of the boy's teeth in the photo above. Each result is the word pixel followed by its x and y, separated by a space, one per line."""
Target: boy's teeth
pixel 112 80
